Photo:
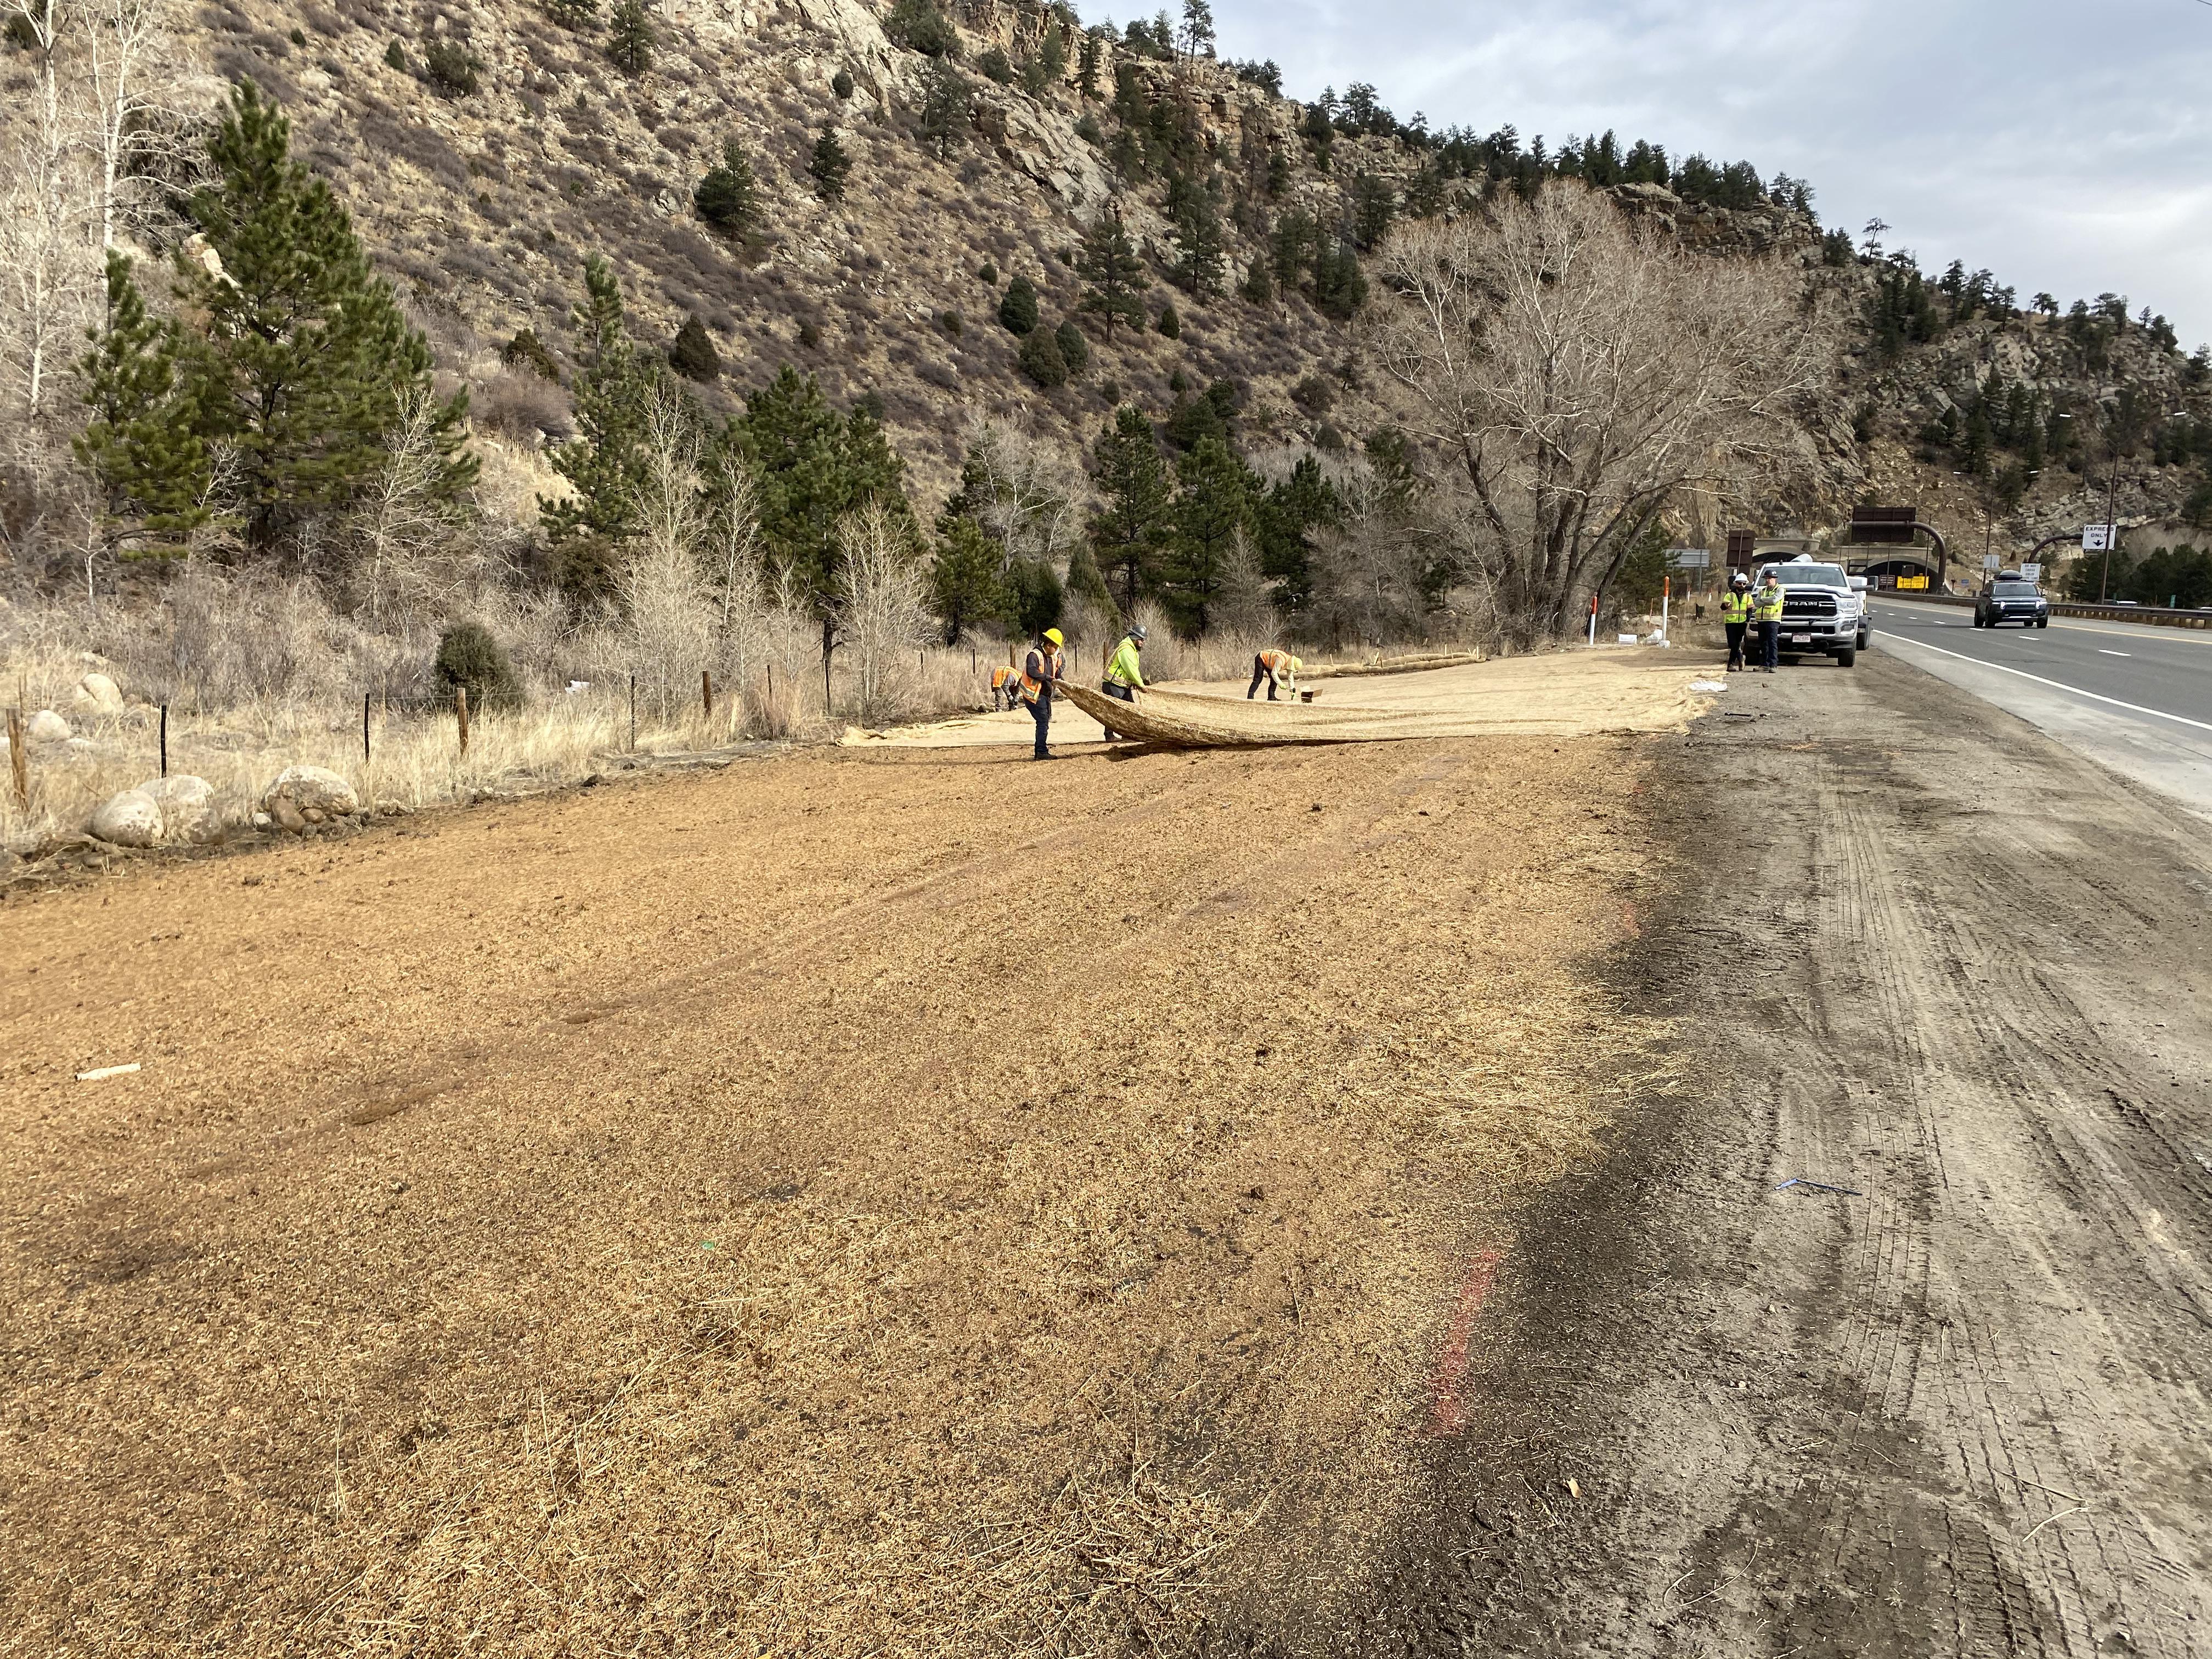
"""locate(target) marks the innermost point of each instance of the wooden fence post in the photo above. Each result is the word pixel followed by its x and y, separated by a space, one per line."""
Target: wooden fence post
pixel 633 712
pixel 707 693
pixel 461 712
pixel 19 760
pixel 364 728
pixel 165 740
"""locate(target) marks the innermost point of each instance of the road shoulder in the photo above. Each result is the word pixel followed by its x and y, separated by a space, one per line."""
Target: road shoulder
pixel 1947 965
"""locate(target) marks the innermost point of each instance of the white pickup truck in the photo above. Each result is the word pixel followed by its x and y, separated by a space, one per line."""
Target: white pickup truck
pixel 1823 609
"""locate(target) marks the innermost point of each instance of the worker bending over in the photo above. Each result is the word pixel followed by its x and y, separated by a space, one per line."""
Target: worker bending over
pixel 1004 686
pixel 1277 668
pixel 1125 675
pixel 1736 618
pixel 1040 673
pixel 1766 611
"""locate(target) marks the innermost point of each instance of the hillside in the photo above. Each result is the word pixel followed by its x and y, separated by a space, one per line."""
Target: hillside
pixel 486 151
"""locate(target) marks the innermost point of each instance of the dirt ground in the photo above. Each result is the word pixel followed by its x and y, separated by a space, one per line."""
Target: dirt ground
pixel 1928 955
pixel 1286 1202
pixel 842 1204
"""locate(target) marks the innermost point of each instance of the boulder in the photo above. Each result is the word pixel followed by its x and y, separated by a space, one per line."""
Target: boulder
pixel 96 694
pixel 187 806
pixel 308 794
pixel 48 726
pixel 132 818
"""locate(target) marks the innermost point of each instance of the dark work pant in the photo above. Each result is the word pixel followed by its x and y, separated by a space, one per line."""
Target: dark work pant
pixel 1259 672
pixel 1041 711
pixel 1114 688
pixel 1769 637
pixel 1735 643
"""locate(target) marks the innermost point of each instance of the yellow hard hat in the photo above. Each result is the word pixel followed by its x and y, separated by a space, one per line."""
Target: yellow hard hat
pixel 1053 633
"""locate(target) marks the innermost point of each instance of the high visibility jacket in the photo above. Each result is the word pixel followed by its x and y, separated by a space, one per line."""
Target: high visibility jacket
pixel 999 677
pixel 1125 668
pixel 1736 607
pixel 1039 670
pixel 1767 604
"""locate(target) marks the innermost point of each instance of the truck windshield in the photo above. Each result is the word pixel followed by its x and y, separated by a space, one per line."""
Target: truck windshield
pixel 2015 590
pixel 1809 575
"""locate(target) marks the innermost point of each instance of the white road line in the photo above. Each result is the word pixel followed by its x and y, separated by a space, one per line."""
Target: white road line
pixel 2132 708
pixel 2103 652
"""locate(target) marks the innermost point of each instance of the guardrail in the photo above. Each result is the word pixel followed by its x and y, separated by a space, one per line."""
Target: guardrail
pixel 2156 616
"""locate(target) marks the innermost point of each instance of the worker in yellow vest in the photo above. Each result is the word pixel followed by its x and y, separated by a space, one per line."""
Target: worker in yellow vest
pixel 1125 674
pixel 1040 673
pixel 1736 618
pixel 1766 611
pixel 1278 668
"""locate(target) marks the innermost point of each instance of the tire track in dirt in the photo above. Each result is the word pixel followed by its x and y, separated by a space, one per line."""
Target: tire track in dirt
pixel 1961 1414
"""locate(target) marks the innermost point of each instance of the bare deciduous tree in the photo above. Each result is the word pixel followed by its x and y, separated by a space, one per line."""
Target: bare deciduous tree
pixel 883 608
pixel 665 595
pixel 1032 491
pixel 412 553
pixel 1580 375
pixel 43 245
pixel 131 69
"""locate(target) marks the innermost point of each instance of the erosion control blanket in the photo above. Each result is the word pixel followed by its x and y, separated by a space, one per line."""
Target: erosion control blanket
pixel 1552 694
pixel 1187 721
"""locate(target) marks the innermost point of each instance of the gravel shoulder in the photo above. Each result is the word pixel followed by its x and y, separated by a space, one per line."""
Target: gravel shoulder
pixel 1930 956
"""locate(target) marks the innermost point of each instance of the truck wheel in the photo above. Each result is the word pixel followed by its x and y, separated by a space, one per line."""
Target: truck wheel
pixel 1846 656
pixel 2043 621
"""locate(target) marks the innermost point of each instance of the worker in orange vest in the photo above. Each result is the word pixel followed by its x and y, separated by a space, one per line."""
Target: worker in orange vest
pixel 1040 673
pixel 1277 668
pixel 1003 683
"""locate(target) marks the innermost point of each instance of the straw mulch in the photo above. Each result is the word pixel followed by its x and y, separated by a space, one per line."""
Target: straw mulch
pixel 820 1208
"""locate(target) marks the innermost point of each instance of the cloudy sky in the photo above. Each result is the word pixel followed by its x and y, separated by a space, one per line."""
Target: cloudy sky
pixel 2065 145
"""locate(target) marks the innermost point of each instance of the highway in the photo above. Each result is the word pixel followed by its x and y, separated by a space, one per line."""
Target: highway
pixel 2136 698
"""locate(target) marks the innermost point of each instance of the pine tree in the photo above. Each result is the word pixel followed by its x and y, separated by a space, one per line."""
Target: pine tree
pixel 966 580
pixel 605 463
pixel 729 197
pixel 1086 66
pixel 1214 499
pixel 1169 325
pixel 945 102
pixel 143 442
pixel 1018 307
pixel 302 360
pixel 1198 236
pixel 812 466
pixel 1374 205
pixel 1074 349
pixel 630 40
pixel 573 13
pixel 841 85
pixel 1113 275
pixel 1196 36
pixel 828 165
pixel 1290 514
pixel 1132 526
pixel 692 353
pixel 1040 360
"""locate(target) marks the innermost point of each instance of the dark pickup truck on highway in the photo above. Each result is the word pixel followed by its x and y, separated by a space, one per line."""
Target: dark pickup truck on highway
pixel 2015 601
